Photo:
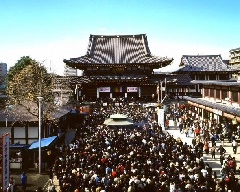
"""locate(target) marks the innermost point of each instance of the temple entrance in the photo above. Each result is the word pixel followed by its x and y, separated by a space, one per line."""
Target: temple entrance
pixel 118 95
pixel 104 95
pixel 132 95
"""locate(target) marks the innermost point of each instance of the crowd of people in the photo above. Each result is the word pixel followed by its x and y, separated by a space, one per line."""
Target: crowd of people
pixel 142 157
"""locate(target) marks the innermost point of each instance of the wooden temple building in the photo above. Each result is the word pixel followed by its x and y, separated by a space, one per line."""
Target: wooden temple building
pixel 123 66
pixel 205 67
pixel 118 66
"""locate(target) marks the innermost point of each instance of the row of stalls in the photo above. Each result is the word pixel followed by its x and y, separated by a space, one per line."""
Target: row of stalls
pixel 25 157
pixel 24 139
pixel 220 101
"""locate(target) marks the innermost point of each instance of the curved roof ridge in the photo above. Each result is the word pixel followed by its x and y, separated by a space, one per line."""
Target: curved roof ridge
pixel 118 49
pixel 111 36
pixel 214 55
pixel 204 63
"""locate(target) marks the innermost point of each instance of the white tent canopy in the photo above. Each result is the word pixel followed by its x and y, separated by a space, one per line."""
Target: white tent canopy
pixel 118 120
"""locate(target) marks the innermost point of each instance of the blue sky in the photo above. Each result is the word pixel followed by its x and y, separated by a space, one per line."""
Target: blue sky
pixel 52 30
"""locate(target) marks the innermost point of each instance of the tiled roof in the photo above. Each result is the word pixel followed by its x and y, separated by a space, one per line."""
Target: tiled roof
pixel 226 108
pixel 124 49
pixel 227 83
pixel 71 79
pixel 236 49
pixel 204 63
pixel 180 79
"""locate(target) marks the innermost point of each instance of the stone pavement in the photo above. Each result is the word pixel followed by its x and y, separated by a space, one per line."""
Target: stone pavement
pixel 214 163
pixel 34 180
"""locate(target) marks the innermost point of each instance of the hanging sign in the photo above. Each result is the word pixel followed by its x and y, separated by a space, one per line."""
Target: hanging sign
pixel 132 89
pixel 104 89
pixel 5 161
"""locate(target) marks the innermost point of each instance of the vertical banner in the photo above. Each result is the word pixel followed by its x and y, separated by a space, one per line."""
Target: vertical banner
pixel 5 161
pixel 97 92
pixel 160 113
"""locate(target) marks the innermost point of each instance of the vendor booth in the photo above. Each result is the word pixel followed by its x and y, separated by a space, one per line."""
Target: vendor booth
pixel 48 152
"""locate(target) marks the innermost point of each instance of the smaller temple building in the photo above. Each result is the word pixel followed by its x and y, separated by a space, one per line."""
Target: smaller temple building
pixel 205 67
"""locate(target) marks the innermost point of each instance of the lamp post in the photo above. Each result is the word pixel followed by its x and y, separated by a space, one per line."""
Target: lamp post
pixel 39 132
pixel 6 117
pixel 159 91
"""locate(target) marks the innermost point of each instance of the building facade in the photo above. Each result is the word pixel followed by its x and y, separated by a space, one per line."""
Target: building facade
pixel 3 73
pixel 3 70
pixel 118 66
pixel 234 55
pixel 69 71
pixel 220 100
pixel 205 67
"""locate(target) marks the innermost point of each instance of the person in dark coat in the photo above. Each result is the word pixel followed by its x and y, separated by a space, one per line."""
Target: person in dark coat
pixel 23 180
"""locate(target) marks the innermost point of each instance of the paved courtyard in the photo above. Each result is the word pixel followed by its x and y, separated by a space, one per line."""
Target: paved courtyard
pixel 214 163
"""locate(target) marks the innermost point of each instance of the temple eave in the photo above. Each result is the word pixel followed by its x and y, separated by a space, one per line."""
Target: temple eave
pixel 83 65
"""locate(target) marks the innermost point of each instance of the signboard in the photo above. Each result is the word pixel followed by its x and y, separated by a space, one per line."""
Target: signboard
pixel 104 89
pixel 218 112
pixel 149 104
pixel 132 89
pixel 5 161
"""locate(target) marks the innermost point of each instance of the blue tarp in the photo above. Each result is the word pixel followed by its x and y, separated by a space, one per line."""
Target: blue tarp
pixel 44 142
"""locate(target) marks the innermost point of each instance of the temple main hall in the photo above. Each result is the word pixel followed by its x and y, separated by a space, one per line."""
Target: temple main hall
pixel 118 66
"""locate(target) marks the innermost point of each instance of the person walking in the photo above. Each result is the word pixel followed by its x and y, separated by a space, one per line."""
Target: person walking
pixel 23 180
pixel 186 130
pixel 175 124
pixel 206 147
pixel 196 131
pixel 221 137
pixel 222 159
pixel 221 150
pixel 10 188
pixel 167 123
pixel 234 146
pixel 213 151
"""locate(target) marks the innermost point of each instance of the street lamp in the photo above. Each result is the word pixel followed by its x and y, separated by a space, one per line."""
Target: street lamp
pixel 159 91
pixel 39 132
pixel 7 116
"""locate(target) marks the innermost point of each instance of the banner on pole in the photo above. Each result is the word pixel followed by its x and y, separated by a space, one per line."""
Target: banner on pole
pixel 5 160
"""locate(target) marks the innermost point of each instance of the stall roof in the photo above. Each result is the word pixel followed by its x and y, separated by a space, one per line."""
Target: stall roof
pixel 45 142
pixel 223 107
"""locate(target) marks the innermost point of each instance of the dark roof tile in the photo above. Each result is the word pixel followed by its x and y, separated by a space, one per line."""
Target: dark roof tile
pixel 204 63
pixel 124 49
